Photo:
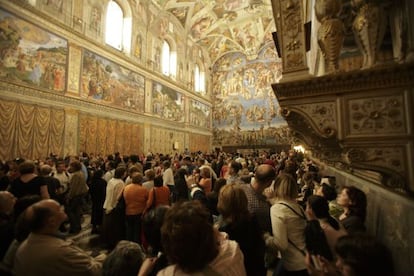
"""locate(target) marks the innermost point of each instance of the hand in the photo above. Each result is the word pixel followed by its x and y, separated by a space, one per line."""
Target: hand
pixel 326 268
pixel 147 266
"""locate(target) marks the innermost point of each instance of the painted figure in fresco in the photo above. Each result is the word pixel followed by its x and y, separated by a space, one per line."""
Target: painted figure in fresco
pixel 95 24
pixel 36 74
pixel 138 47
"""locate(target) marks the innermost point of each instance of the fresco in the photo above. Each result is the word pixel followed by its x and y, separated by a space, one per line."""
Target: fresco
pixel 109 83
pixel 167 103
pixel 30 54
pixel 199 114
pixel 245 108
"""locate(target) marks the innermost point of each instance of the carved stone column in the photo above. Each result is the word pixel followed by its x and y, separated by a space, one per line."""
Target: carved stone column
pixel 369 29
pixel 289 22
pixel 331 32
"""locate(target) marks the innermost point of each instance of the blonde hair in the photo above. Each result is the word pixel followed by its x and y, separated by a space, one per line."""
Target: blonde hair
pixel 232 203
pixel 285 187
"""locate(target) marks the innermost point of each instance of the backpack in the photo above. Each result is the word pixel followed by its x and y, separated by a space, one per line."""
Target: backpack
pixel 315 239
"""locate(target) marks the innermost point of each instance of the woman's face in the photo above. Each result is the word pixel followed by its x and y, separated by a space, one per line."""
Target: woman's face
pixel 343 199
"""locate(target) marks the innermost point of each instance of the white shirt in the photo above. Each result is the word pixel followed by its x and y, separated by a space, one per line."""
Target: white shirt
pixel 168 177
pixel 288 225
pixel 113 191
pixel 109 175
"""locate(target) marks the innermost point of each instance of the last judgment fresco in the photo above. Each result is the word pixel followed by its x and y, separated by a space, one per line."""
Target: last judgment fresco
pixel 246 111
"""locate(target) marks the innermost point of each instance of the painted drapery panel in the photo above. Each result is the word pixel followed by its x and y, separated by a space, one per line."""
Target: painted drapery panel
pixel 199 114
pixel 106 82
pixel 245 110
pixel 167 103
pixel 102 136
pixel 199 142
pixel 30 131
pixel 31 55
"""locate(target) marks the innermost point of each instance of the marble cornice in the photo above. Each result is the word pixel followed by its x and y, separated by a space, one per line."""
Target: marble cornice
pixel 347 82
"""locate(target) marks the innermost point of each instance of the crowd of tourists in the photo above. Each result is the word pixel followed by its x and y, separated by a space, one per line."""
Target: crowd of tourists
pixel 184 214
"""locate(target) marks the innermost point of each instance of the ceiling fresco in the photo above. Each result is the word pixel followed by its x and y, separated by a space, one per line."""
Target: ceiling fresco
pixel 224 26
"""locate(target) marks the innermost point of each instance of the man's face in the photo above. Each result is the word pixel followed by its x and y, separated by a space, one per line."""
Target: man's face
pixel 60 168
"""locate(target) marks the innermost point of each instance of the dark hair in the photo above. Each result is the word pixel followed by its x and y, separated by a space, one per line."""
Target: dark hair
pixel 134 158
pixel 158 181
pixel 358 198
pixel 119 172
pixel 27 167
pixel 236 166
pixel 365 255
pixel 22 203
pixel 188 236
pixel 98 174
pixel 136 178
pixel 75 165
pixel 151 225
pixel 126 260
pixel 328 192
pixel 320 208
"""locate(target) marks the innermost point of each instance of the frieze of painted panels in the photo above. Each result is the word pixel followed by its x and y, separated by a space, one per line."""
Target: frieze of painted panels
pixel 167 103
pixel 31 55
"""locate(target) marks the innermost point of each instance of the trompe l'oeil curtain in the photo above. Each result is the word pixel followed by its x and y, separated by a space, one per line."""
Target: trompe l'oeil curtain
pixel 30 131
pixel 105 136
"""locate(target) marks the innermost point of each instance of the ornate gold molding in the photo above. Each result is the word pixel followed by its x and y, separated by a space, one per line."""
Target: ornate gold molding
pixel 359 121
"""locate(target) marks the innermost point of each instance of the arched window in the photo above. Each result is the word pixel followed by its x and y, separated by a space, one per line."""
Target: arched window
pixel 169 60
pixel 118 28
pixel 199 80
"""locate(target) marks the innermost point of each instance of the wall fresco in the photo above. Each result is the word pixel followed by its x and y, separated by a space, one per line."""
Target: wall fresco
pixel 109 83
pixel 167 103
pixel 199 114
pixel 31 55
pixel 246 111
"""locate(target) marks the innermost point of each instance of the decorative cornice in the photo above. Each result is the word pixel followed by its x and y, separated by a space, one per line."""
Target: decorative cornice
pixel 347 82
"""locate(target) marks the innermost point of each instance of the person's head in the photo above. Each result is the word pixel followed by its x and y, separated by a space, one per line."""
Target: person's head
pixel 181 173
pixel 132 170
pixel 7 202
pixel 151 225
pixel 362 255
pixel 264 175
pixel 126 259
pixel 188 237
pixel 326 191
pixel 134 158
pixel 166 164
pixel 136 178
pixel 45 170
pixel 27 167
pixel 75 166
pixel 317 207
pixel 285 187
pixel 98 174
pixel 24 202
pixel 150 174
pixel 60 166
pixel 205 172
pixel 158 182
pixel 235 167
pixel 46 216
pixel 120 172
pixel 354 200
pixel 232 203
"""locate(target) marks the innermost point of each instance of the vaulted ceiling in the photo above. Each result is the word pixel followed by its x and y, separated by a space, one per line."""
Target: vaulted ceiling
pixel 224 26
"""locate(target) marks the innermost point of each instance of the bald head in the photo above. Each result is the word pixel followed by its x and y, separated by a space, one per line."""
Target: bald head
pixel 264 175
pixel 7 201
pixel 46 216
